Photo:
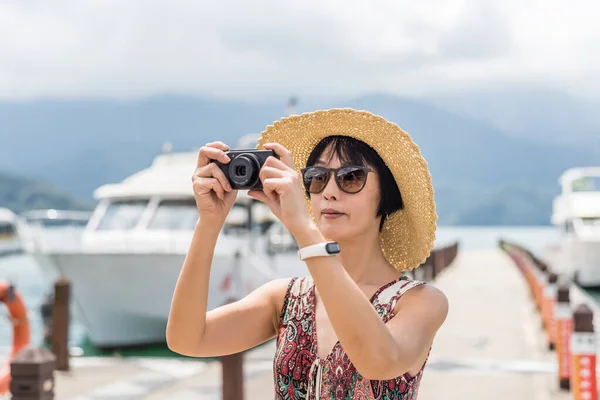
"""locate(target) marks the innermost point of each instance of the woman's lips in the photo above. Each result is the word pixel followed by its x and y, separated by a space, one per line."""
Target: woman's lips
pixel 332 214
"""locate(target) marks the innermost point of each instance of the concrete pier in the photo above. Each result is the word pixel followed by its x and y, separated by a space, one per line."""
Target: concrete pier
pixel 491 347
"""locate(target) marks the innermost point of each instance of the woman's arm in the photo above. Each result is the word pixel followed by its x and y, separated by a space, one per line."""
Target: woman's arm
pixel 228 329
pixel 377 350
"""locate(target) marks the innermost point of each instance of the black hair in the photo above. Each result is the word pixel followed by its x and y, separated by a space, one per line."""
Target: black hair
pixel 353 151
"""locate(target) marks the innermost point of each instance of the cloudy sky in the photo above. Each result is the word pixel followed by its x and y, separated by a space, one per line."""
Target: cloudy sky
pixel 255 49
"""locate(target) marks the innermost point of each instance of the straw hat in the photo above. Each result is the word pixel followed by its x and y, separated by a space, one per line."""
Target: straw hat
pixel 408 235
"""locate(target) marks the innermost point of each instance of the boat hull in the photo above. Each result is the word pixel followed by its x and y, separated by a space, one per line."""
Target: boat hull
pixel 124 299
pixel 584 256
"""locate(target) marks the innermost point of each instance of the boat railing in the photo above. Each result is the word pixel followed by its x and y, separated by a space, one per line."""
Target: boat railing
pixel 52 230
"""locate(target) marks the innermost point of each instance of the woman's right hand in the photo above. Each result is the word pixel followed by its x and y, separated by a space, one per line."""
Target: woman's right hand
pixel 214 196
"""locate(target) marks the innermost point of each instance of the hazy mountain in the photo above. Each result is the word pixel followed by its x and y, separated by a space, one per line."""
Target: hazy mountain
pixel 542 115
pixel 20 194
pixel 482 175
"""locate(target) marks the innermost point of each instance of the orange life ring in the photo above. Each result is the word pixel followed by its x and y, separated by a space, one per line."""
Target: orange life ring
pixel 21 335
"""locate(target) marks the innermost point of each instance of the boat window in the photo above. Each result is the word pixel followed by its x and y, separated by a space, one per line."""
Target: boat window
pixel 591 221
pixel 122 215
pixel 58 222
pixel 7 230
pixel 180 214
pixel 586 184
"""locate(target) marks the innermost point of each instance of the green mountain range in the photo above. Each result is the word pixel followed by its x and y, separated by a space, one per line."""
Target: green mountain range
pixel 482 175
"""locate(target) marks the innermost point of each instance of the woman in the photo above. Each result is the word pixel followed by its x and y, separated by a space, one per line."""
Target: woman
pixel 356 328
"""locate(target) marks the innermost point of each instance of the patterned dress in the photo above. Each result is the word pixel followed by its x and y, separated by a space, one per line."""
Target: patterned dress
pixel 300 374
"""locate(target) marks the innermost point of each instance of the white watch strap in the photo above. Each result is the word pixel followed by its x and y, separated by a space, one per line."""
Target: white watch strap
pixel 318 250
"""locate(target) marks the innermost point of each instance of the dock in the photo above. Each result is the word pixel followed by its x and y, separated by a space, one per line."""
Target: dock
pixel 491 346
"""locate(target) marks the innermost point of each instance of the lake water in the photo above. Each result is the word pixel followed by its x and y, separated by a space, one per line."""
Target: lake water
pixel 24 273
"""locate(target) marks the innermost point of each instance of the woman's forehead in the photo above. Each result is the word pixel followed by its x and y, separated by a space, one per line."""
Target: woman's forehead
pixel 330 158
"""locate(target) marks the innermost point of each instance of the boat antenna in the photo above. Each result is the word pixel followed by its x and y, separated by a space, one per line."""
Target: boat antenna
pixel 167 147
pixel 291 106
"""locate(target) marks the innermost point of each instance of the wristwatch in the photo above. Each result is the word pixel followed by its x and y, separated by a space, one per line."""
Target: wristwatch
pixel 319 249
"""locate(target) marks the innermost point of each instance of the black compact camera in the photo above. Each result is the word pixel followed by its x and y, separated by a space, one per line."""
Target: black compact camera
pixel 242 171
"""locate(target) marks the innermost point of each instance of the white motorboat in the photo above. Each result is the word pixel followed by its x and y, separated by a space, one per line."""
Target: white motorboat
pixel 10 242
pixel 125 268
pixel 576 214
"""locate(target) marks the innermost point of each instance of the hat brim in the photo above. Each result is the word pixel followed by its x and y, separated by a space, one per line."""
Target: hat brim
pixel 408 235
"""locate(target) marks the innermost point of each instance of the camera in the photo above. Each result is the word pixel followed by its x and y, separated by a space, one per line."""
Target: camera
pixel 242 171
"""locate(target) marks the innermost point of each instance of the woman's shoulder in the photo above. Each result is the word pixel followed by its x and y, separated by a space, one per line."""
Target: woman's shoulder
pixel 416 294
pixel 287 284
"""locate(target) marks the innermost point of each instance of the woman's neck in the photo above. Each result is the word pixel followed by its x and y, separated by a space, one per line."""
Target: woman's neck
pixel 364 261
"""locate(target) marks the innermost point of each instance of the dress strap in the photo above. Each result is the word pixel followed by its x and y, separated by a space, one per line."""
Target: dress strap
pixel 296 299
pixel 386 300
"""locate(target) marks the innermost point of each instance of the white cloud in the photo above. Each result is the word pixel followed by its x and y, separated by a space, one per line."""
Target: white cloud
pixel 252 49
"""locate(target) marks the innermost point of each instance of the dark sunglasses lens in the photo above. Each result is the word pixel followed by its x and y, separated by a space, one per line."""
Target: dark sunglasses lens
pixel 315 179
pixel 352 180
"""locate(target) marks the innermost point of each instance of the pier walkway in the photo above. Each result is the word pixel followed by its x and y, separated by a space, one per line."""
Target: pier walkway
pixel 490 347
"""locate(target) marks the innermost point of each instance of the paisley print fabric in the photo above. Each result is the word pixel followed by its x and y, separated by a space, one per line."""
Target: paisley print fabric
pixel 300 374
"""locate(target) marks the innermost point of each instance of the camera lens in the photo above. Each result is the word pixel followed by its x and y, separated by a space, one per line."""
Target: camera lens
pixel 243 170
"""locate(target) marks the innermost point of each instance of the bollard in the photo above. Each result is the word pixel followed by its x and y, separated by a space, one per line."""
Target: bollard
pixel 32 374
pixel 232 374
pixel 549 303
pixel 529 271
pixel 46 315
pixel 541 279
pixel 544 284
pixel 583 350
pixel 564 327
pixel 60 323
pixel 544 271
pixel 535 272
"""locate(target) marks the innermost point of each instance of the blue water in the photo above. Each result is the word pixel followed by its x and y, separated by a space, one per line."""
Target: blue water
pixel 24 273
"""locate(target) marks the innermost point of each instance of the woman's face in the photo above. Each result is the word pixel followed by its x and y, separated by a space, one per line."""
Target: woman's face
pixel 339 215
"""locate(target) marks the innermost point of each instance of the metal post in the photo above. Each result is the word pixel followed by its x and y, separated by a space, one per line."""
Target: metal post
pixel 232 374
pixel 60 323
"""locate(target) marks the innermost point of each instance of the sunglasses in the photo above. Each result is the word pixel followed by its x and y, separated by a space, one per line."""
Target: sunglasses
pixel 350 179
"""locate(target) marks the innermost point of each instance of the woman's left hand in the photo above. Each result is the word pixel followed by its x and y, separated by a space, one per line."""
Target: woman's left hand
pixel 283 191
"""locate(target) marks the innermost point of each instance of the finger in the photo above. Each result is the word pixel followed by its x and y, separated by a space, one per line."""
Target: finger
pixel 212 170
pixel 275 162
pixel 208 153
pixel 269 193
pixel 271 185
pixel 266 173
pixel 283 153
pixel 219 145
pixel 270 172
pixel 203 186
pixel 269 190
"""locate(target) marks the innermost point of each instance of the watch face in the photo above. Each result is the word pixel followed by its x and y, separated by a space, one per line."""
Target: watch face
pixel 332 248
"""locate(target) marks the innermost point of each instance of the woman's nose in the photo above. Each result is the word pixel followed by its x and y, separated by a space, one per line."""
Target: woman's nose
pixel 331 189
